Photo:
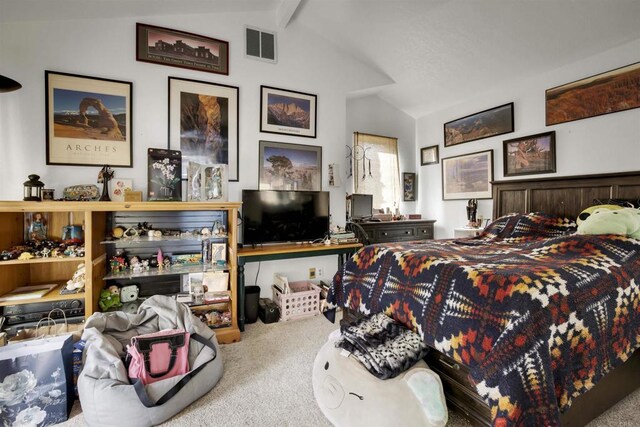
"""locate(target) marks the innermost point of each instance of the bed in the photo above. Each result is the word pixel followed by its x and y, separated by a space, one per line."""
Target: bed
pixel 530 324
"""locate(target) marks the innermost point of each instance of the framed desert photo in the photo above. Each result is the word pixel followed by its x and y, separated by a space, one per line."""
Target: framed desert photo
pixel 88 121
pixel 409 186
pixel 181 49
pixel 287 112
pixel 290 166
pixel 487 123
pixel 429 155
pixel 468 176
pixel 605 93
pixel 530 154
pixel 203 123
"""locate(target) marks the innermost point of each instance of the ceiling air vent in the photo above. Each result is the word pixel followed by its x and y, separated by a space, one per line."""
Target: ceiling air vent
pixel 261 44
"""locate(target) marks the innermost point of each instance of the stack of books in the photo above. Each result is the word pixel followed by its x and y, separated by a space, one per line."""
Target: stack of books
pixel 343 237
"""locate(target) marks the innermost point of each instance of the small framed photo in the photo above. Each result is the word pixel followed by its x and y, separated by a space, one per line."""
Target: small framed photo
pixel 287 112
pixel 530 155
pixel 290 166
pixel 117 188
pixel 429 155
pixel 409 186
pixel 164 182
pixel 468 176
pixel 181 49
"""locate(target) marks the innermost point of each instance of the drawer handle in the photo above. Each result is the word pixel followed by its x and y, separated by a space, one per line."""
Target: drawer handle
pixel 424 231
pixel 407 232
pixel 385 234
pixel 449 365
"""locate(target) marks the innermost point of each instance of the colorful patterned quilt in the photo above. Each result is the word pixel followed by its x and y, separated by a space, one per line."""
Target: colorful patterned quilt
pixel 539 314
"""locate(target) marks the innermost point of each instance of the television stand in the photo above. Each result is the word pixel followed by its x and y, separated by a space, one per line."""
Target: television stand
pixel 285 251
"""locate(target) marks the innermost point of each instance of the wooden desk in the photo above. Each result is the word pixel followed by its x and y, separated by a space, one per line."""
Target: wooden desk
pixel 285 251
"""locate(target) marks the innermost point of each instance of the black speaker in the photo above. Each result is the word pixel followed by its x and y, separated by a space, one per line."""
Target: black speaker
pixel 268 311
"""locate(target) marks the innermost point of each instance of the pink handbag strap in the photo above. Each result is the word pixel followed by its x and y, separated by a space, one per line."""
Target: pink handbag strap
pixel 145 345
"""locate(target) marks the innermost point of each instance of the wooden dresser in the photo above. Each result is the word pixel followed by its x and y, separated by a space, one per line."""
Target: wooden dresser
pixel 398 231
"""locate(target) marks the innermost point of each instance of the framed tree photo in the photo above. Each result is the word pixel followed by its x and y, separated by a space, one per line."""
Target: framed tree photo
pixel 530 155
pixel 287 112
pixel 204 123
pixel 88 121
pixel 290 166
pixel 467 176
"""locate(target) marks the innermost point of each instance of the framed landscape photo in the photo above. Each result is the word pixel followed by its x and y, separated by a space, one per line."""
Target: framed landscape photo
pixel 467 176
pixel 204 124
pixel 487 123
pixel 409 186
pixel 290 167
pixel 287 112
pixel 531 154
pixel 429 155
pixel 605 93
pixel 181 49
pixel 88 121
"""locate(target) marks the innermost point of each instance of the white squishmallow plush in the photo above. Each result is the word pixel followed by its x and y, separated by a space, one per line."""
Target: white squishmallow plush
pixel 349 395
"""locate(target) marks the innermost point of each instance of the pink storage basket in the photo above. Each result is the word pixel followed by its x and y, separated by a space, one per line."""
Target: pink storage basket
pixel 303 300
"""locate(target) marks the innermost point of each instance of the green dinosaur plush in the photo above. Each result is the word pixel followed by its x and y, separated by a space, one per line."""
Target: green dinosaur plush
pixel 623 221
pixel 109 298
pixel 587 212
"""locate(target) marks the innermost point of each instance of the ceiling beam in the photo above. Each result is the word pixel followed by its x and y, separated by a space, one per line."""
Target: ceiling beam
pixel 285 12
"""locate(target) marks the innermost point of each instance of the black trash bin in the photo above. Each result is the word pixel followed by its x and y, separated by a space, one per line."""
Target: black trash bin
pixel 251 299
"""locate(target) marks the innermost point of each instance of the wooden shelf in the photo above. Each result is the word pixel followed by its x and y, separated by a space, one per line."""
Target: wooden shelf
pixel 50 260
pixel 52 295
pixel 145 239
pixel 173 270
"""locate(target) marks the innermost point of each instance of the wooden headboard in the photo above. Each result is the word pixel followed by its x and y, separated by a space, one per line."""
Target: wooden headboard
pixel 566 196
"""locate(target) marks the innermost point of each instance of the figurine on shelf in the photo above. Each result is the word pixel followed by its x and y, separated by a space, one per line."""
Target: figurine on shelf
pixel 472 210
pixel 37 227
pixel 118 264
pixel 77 281
pixel 104 177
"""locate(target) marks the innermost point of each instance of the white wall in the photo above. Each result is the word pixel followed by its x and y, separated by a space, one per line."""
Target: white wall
pixel 609 143
pixel 106 48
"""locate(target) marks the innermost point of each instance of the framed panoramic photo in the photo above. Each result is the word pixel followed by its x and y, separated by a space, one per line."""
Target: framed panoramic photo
pixel 181 49
pixel 467 176
pixel 203 123
pixel 531 154
pixel 290 166
pixel 287 112
pixel 409 186
pixel 88 121
pixel 605 93
pixel 487 123
pixel 429 155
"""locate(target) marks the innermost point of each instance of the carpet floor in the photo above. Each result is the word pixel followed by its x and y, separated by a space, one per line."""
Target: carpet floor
pixel 267 382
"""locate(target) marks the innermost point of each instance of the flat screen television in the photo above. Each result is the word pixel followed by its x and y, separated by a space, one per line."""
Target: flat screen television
pixel 275 216
pixel 361 206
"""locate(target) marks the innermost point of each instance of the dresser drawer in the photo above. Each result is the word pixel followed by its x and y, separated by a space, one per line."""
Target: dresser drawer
pixel 424 232
pixel 453 369
pixel 398 231
pixel 395 234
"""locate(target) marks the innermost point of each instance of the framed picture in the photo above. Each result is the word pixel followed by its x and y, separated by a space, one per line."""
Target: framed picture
pixel 290 166
pixel 487 123
pixel 88 121
pixel 203 123
pixel 530 154
pixel 164 175
pixel 181 49
pixel 610 92
pixel 429 155
pixel 287 112
pixel 409 186
pixel 467 176
pixel 206 183
pixel 117 187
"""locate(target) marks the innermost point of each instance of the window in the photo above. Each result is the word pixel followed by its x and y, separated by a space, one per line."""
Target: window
pixel 375 169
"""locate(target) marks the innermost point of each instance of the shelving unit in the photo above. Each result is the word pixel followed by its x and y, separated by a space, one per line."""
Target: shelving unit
pixel 96 219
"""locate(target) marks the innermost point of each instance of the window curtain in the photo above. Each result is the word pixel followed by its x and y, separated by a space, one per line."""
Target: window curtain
pixel 376 170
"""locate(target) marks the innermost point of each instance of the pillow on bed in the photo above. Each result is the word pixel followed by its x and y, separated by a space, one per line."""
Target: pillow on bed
pixel 534 225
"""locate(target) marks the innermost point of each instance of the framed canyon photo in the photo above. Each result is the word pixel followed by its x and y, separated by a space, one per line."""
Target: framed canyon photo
pixel 467 176
pixel 290 167
pixel 204 124
pixel 530 155
pixel 610 92
pixel 485 124
pixel 287 112
pixel 88 121
pixel 181 49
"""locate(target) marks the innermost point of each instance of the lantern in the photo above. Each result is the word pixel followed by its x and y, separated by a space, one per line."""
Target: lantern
pixel 33 188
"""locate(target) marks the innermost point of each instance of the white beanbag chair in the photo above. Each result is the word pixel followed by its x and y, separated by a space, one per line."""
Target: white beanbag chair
pixel 107 396
pixel 349 395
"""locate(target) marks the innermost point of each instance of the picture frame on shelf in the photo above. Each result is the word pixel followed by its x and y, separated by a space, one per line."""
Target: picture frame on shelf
pixel 164 171
pixel 204 123
pixel 605 93
pixel 491 122
pixel 285 166
pixel 118 187
pixel 468 176
pixel 409 186
pixel 207 183
pixel 529 155
pixel 181 49
pixel 288 112
pixel 429 155
pixel 88 121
